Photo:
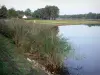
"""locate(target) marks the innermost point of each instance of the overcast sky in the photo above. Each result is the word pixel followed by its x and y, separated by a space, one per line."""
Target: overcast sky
pixel 65 6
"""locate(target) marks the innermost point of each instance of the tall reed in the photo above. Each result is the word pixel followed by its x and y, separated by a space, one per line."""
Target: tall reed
pixel 39 40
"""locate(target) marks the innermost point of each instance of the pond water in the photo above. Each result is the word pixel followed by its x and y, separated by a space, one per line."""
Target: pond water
pixel 85 40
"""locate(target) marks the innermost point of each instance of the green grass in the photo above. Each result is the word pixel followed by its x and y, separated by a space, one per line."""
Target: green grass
pixel 39 40
pixel 66 22
pixel 12 62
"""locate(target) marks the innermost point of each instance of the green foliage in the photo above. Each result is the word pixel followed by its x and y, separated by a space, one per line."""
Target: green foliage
pixel 28 12
pixel 49 12
pixel 12 13
pixel 11 63
pixel 20 13
pixel 39 14
pixel 3 12
pixel 90 15
pixel 12 60
pixel 39 40
pixel 5 29
pixel 52 12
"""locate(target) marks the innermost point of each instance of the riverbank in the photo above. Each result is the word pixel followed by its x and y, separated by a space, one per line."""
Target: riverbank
pixel 36 42
pixel 66 22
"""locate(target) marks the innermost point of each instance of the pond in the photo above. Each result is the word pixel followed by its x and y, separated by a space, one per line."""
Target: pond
pixel 85 40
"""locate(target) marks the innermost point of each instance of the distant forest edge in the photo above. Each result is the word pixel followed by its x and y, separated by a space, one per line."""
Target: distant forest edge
pixel 46 13
pixel 49 12
pixel 89 15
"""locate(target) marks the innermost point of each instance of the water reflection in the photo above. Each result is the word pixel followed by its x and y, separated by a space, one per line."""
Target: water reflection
pixel 90 25
pixel 86 42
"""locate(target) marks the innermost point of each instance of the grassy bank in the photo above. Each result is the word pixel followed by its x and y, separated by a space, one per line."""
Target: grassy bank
pixel 66 22
pixel 12 62
pixel 37 42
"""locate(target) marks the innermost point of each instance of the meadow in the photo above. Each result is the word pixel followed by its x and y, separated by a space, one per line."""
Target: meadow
pixel 67 22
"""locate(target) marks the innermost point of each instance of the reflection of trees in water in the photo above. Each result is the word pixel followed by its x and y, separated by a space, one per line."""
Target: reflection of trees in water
pixel 90 25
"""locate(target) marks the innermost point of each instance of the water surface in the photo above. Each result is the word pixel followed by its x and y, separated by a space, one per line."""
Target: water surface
pixel 86 42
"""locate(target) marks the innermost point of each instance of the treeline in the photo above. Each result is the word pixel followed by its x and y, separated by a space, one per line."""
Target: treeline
pixel 49 12
pixel 90 15
pixel 10 13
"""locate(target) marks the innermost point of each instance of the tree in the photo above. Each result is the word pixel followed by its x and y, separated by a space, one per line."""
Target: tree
pixel 20 13
pixel 49 12
pixel 3 12
pixel 40 14
pixel 54 12
pixel 12 13
pixel 36 14
pixel 98 16
pixel 28 12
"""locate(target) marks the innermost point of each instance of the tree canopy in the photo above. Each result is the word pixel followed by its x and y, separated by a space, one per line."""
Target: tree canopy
pixel 3 12
pixel 49 12
pixel 12 13
pixel 28 12
pixel 20 13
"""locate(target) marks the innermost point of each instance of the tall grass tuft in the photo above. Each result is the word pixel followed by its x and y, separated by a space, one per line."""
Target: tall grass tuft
pixel 41 41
